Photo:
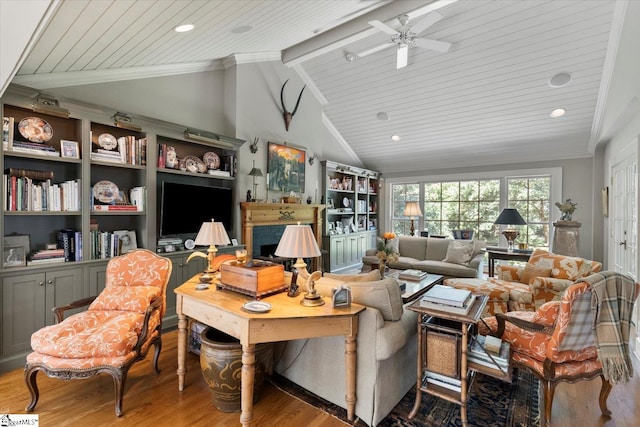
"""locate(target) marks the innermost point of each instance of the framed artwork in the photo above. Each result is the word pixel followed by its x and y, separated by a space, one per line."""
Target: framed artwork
pixel 285 168
pixel 69 149
pixel 7 133
pixel 20 244
pixel 14 256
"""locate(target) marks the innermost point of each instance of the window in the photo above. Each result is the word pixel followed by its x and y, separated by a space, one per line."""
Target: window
pixel 474 201
pixel 530 196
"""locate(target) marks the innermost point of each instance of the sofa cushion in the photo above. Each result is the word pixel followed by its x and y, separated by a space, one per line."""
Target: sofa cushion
pixel 459 252
pixel 403 263
pixel 437 248
pixel 362 277
pixel 444 268
pixel 413 247
pixel 383 295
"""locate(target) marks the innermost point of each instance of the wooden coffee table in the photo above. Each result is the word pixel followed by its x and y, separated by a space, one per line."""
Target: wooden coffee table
pixel 414 289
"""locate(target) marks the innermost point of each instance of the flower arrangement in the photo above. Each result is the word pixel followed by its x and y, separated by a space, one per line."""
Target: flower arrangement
pixel 387 253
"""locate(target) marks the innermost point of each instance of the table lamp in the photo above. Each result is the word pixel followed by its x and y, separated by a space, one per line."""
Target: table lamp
pixel 210 234
pixel 255 172
pixel 412 210
pixel 299 242
pixel 510 217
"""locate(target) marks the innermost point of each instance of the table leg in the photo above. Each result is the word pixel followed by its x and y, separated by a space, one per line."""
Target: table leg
pixel 491 265
pixel 416 404
pixel 350 373
pixel 248 378
pixel 463 369
pixel 182 349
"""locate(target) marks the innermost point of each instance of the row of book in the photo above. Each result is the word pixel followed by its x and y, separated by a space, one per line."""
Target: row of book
pixel 131 151
pixel 26 194
pixel 107 244
pixel 70 241
pixel 448 299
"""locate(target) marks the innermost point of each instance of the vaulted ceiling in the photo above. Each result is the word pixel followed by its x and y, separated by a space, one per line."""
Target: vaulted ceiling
pixel 485 101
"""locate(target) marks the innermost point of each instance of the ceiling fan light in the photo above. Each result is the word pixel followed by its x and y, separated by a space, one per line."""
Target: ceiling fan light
pixel 558 112
pixel 184 28
pixel 403 56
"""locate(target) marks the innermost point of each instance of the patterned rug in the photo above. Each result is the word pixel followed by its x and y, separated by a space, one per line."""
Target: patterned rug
pixel 491 403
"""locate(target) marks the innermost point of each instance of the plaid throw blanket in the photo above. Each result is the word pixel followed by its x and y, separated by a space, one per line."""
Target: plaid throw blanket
pixel 613 296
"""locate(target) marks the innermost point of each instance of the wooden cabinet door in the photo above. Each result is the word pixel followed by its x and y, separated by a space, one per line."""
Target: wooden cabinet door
pixel 23 310
pixel 338 252
pixel 97 279
pixel 61 288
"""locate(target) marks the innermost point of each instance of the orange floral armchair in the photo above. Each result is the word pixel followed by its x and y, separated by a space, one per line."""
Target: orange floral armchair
pixel 117 330
pixel 558 341
pixel 544 278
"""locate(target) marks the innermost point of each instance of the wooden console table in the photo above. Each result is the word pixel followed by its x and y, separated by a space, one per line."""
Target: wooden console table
pixel 495 254
pixel 259 214
pixel 287 320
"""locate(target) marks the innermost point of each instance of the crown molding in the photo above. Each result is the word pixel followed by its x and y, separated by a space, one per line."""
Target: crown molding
pixel 250 58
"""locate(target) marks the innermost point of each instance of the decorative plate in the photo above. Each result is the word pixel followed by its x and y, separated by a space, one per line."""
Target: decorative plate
pixel 105 191
pixel 35 129
pixel 212 160
pixel 346 202
pixel 107 141
pixel 257 306
pixel 202 286
pixel 194 164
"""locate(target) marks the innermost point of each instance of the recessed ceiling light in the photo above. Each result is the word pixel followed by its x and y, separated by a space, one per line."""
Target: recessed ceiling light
pixel 558 112
pixel 560 79
pixel 382 116
pixel 242 29
pixel 183 28
pixel 395 138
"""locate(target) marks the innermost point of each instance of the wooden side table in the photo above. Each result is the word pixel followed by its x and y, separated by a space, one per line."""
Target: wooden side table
pixel 495 254
pixel 442 368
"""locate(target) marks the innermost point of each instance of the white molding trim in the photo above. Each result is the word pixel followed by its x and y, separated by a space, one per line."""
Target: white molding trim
pixel 607 73
pixel 310 84
pixel 77 78
pixel 332 129
pixel 249 58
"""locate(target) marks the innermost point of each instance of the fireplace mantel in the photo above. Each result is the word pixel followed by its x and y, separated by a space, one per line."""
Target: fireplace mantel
pixel 258 214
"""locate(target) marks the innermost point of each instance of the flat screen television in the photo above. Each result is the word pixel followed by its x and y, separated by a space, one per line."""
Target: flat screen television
pixel 184 207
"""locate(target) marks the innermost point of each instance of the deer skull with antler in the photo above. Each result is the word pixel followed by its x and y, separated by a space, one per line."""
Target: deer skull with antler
pixel 288 116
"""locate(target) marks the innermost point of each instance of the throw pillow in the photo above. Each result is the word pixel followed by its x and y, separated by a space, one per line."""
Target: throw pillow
pixel 531 271
pixel 125 298
pixel 459 252
pixel 383 295
pixel 363 277
pixel 394 245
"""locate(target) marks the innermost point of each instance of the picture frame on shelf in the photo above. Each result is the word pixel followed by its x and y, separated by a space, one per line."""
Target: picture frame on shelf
pixel 330 204
pixel 69 149
pixel 17 241
pixel 285 168
pixel 13 256
pixel 7 133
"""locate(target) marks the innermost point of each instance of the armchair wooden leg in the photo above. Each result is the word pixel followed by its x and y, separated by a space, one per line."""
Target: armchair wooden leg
pixel 30 373
pixel 119 378
pixel 604 395
pixel 156 354
pixel 549 390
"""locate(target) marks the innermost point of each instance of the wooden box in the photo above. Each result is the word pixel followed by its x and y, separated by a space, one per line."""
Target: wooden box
pixel 256 278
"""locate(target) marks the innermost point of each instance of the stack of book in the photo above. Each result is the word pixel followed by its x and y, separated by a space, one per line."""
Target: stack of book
pixel 108 156
pixel 46 256
pixel 415 275
pixel 448 299
pixel 483 354
pixel 35 148
pixel 450 383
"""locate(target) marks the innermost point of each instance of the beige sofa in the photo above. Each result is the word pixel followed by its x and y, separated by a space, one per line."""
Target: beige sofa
pixel 386 350
pixel 450 258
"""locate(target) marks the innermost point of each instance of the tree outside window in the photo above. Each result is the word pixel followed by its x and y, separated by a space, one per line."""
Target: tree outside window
pixel 530 195
pixel 401 194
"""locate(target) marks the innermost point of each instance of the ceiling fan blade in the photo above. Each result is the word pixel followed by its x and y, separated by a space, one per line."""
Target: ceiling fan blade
pixel 402 57
pixel 376 49
pixel 383 27
pixel 430 19
pixel 433 44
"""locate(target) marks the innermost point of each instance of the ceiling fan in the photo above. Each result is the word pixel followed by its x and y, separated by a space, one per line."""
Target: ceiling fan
pixel 406 37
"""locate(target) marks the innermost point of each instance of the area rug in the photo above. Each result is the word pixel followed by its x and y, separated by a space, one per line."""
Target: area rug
pixel 491 403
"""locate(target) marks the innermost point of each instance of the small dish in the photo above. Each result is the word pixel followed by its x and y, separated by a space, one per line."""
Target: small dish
pixel 257 306
pixel 202 286
pixel 194 164
pixel 346 202
pixel 35 129
pixel 105 191
pixel 107 141
pixel 212 160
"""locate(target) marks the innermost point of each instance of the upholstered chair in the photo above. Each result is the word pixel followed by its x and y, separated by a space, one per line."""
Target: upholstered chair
pixel 562 340
pixel 117 330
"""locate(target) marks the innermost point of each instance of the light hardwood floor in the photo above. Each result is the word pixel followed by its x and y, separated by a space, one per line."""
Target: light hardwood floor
pixel 154 400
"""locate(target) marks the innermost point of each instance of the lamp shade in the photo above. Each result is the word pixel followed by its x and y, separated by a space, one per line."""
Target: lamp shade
pixel 412 209
pixel 510 216
pixel 298 241
pixel 255 172
pixel 212 233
